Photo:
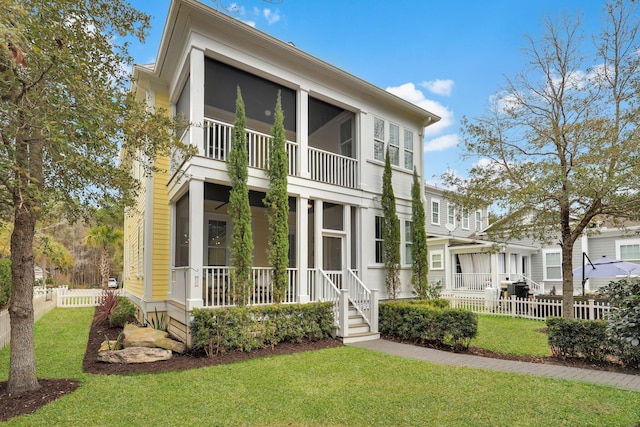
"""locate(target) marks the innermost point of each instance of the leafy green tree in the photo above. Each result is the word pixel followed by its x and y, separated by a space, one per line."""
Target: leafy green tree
pixel 420 266
pixel 66 118
pixel 560 146
pixel 105 238
pixel 277 203
pixel 390 232
pixel 5 281
pixel 239 208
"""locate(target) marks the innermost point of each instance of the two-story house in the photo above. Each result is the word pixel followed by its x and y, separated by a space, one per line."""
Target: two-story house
pixel 464 260
pixel 338 129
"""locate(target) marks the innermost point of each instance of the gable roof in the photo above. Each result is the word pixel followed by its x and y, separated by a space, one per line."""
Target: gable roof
pixel 211 23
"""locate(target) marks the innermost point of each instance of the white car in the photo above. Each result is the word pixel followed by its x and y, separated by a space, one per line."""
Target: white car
pixel 113 283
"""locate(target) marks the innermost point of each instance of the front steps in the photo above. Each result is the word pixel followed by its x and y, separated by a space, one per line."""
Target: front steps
pixel 358 329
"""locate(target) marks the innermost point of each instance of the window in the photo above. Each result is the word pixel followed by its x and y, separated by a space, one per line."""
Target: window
pixel 346 138
pixel 379 242
pixel 436 259
pixel 435 212
pixel 628 250
pixel 408 149
pixel 394 144
pixel 216 242
pixel 465 219
pixel 408 243
pixel 451 214
pixel 552 265
pixel 378 139
pixel 478 220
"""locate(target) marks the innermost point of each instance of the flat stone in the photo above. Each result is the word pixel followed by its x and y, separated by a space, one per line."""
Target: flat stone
pixel 110 345
pixel 173 345
pixel 134 336
pixel 134 355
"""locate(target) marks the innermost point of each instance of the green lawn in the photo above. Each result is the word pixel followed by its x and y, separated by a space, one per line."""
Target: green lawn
pixel 339 386
pixel 508 335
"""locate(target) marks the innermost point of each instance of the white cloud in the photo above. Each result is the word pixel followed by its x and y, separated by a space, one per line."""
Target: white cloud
pixel 442 143
pixel 271 16
pixel 250 23
pixel 439 87
pixel 409 92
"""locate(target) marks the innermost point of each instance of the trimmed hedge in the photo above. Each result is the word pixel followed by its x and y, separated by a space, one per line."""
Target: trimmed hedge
pixel 420 321
pixel 125 312
pixel 248 328
pixel 578 338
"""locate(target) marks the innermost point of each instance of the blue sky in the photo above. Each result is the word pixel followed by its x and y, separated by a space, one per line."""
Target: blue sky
pixel 448 57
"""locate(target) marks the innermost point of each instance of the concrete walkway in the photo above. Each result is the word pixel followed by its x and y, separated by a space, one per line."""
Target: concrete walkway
pixel 612 379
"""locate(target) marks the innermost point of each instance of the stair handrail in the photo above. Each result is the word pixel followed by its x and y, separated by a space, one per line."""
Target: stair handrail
pixel 359 295
pixel 534 286
pixel 326 290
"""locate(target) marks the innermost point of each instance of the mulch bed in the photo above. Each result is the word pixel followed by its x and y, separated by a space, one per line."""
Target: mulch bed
pixel 51 389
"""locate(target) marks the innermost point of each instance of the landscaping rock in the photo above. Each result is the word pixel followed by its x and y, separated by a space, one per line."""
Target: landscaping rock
pixel 134 336
pixel 134 355
pixel 169 344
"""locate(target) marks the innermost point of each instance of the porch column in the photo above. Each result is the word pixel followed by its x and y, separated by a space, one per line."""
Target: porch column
pixel 317 230
pixel 495 275
pixel 302 252
pixel 196 99
pixel 346 211
pixel 196 243
pixel 449 267
pixel 303 133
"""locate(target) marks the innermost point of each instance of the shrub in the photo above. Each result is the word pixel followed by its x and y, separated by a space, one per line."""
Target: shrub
pixel 578 338
pixel 5 281
pixel 125 312
pixel 248 328
pixel 106 306
pixel 623 327
pixel 427 322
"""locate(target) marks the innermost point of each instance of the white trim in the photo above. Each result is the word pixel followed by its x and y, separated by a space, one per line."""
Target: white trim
pixel 462 215
pixel 436 252
pixel 626 242
pixel 544 264
pixel 437 202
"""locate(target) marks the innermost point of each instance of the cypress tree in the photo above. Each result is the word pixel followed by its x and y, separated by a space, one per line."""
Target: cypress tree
pixel 239 208
pixel 390 233
pixel 420 266
pixel 277 203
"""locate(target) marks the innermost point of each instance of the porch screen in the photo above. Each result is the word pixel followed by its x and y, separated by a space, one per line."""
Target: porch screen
pixel 182 232
pixel 473 264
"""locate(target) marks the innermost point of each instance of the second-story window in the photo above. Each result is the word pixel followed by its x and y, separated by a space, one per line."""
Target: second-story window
pixel 378 139
pixel 394 144
pixel 478 220
pixel 451 214
pixel 465 219
pixel 408 149
pixel 435 212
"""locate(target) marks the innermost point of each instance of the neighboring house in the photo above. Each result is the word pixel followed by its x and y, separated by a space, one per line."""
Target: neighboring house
pixel 465 261
pixel 338 128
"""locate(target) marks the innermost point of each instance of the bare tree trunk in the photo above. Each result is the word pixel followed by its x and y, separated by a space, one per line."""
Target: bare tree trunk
pixel 26 202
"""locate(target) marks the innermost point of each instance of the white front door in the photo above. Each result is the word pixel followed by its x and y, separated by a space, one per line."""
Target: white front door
pixel 217 232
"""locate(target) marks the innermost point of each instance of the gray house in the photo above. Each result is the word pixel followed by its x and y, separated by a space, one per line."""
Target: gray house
pixel 465 261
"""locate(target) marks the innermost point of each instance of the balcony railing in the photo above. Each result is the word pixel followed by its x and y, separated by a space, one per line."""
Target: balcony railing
pixel 333 168
pixel 218 137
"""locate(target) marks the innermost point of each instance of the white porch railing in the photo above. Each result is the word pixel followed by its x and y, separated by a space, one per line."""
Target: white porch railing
pixel 218 137
pixel 538 309
pixel 471 281
pixel 332 168
pixel 218 291
pixel 324 289
pixel 363 299
pixel 534 287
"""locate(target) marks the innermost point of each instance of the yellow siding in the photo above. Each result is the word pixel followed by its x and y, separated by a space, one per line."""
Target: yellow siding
pixel 161 223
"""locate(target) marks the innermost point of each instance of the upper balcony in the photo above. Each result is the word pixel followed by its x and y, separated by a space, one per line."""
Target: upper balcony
pixel 321 137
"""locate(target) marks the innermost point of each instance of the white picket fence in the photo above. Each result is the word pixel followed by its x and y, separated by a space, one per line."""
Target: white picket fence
pixel 44 300
pixel 538 309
